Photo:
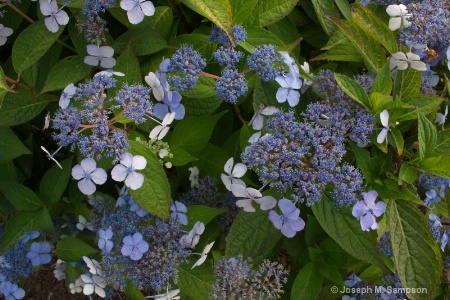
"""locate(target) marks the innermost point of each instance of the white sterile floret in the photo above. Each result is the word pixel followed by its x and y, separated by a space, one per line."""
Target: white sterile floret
pixel 160 131
pixel 102 55
pixel 154 82
pixel 203 255
pixel 257 121
pixel 77 286
pixel 399 16
pixel 83 223
pixel 234 173
pixel 93 284
pixel 191 239
pixel 441 118
pixel 384 117
pixel 169 295
pixel 194 176
pixel 251 195
pixel 93 265
pixel 402 60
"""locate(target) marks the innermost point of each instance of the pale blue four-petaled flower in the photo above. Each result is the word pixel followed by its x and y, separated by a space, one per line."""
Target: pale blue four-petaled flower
pixel 134 246
pixel 366 211
pixel 289 222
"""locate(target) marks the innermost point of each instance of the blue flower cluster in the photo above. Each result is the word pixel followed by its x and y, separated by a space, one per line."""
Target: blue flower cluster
pixel 235 279
pixel 219 36
pixel 231 85
pixel 89 126
pixel 92 24
pixel 385 245
pixel 435 187
pixel 305 156
pixel 430 25
pixel 187 63
pixel 136 247
pixel 262 60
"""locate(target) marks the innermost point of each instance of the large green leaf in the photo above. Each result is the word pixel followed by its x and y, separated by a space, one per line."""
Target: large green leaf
pixel 31 44
pixel 307 284
pixel 257 36
pixel 11 146
pixel 20 107
pixel 141 40
pixel 217 11
pixel 340 49
pixel 407 84
pixel 55 182
pixel 427 137
pixel 25 221
pixel 383 82
pixel 353 90
pixel 71 249
pixel 325 9
pixel 4 88
pixel 68 70
pixel 160 22
pixel 443 142
pixel 242 10
pixel 211 161
pixel 20 196
pixel 368 47
pixel 346 231
pixel 192 134
pixel 375 27
pixel 201 213
pixel 437 165
pixel 251 235
pixel 196 283
pixel 416 254
pixel 154 195
pixel 274 10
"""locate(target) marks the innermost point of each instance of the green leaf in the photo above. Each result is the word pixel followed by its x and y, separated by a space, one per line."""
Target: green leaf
pixel 275 10
pixel 346 231
pixel 383 82
pixel 196 283
pixel 443 142
pixel 25 221
pixel 368 47
pixel 71 249
pixel 68 70
pixel 438 165
pixel 307 284
pixel 20 107
pixel 204 88
pixel 375 27
pixel 160 22
pixel 55 182
pixel 201 213
pixel 379 100
pixel 396 140
pixel 11 146
pixel 192 133
pixel 180 157
pixel 217 11
pixel 408 111
pixel 133 293
pixel 154 195
pixel 201 106
pixel 416 254
pixel 31 44
pixel 344 7
pixel 4 88
pixel 8 172
pixel 128 64
pixel 257 36
pixel 407 173
pixel 427 137
pixel 407 84
pixel 20 196
pixel 141 40
pixel 251 235
pixel 340 49
pixel 244 135
pixel 242 10
pixel 353 90
pixel 390 189
pixel 325 9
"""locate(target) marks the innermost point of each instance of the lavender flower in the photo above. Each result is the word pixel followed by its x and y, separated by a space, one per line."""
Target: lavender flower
pixel 89 174
pixel 104 239
pixel 137 9
pixel 251 195
pixel 125 171
pixel 366 211
pixel 4 33
pixel 102 55
pixel 11 291
pixel 289 222
pixel 287 91
pixel 134 246
pixel 39 253
pixel 55 15
pixel 67 94
pixel 234 173
pixel 178 212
